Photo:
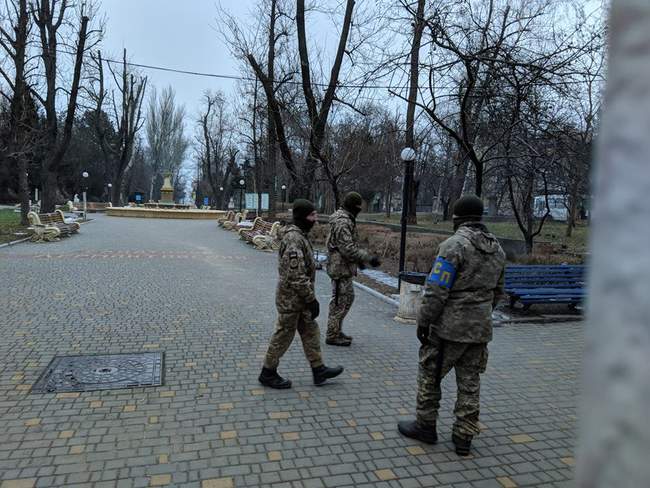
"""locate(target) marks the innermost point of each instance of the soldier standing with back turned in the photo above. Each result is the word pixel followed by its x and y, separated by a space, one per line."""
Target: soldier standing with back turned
pixel 345 256
pixel 455 324
pixel 296 302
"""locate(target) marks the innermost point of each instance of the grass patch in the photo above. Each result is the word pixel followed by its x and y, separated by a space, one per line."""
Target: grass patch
pixel 553 232
pixel 9 224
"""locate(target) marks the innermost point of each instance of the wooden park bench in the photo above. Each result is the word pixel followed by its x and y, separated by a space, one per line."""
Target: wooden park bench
pixel 530 285
pixel 49 226
pixel 230 216
pixel 232 224
pixel 263 235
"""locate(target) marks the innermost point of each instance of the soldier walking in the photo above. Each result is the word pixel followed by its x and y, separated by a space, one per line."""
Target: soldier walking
pixel 345 256
pixel 296 302
pixel 454 324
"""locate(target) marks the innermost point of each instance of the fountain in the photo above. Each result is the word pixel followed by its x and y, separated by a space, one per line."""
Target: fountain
pixel 165 208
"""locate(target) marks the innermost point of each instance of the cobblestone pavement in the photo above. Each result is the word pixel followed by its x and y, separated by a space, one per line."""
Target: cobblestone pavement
pixel 206 300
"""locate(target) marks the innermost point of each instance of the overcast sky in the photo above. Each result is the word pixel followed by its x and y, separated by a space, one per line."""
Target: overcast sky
pixel 175 34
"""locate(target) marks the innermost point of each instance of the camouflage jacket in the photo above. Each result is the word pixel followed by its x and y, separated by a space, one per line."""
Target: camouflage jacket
pixel 464 285
pixel 343 246
pixel 297 270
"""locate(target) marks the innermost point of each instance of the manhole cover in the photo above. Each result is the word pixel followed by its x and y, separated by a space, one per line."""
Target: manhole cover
pixel 101 372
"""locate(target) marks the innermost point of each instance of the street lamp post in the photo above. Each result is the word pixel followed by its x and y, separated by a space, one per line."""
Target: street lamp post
pixel 110 197
pixel 408 157
pixel 221 197
pixel 85 188
pixel 241 194
pixel 284 196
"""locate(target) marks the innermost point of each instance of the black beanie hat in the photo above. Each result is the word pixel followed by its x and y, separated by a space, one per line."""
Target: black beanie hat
pixel 352 202
pixel 468 207
pixel 301 209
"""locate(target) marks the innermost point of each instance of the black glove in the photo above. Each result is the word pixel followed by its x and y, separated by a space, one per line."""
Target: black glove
pixel 375 261
pixel 314 308
pixel 423 335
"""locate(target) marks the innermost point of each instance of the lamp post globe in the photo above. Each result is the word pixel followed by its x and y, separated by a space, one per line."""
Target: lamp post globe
pixel 241 194
pixel 84 188
pixel 408 154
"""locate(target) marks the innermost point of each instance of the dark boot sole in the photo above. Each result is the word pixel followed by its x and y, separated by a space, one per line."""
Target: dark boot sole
pixel 427 439
pixel 461 448
pixel 340 344
pixel 276 386
pixel 322 380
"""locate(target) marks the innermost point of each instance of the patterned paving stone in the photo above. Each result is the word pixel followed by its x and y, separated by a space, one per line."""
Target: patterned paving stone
pixel 205 299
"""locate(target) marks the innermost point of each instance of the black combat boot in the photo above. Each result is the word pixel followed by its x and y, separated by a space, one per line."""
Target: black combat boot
pixel 415 430
pixel 323 373
pixel 271 378
pixel 462 444
pixel 345 336
pixel 339 341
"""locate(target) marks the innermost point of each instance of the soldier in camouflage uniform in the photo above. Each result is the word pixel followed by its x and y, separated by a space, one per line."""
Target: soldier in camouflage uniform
pixel 345 256
pixel 455 324
pixel 296 302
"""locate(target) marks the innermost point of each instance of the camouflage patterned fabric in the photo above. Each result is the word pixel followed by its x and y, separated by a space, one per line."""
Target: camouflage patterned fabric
pixel 285 331
pixel 340 305
pixel 297 270
pixel 295 289
pixel 462 312
pixel 344 257
pixel 343 246
pixel 463 287
pixel 468 361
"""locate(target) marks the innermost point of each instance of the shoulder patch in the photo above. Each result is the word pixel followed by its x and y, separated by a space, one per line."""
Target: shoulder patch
pixel 443 273
pixel 293 259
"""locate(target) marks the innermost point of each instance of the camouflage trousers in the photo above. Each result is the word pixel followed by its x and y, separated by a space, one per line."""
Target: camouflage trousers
pixel 468 362
pixel 340 305
pixel 285 331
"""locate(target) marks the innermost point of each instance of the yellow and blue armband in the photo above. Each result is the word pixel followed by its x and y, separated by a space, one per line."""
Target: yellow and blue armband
pixel 442 274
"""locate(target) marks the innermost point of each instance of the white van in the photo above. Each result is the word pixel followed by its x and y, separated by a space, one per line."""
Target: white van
pixel 556 204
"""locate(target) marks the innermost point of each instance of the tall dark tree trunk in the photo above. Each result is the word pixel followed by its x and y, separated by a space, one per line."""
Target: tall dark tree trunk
pixel 418 28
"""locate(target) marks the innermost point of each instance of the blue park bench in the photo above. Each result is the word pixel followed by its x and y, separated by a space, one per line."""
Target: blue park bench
pixel 531 285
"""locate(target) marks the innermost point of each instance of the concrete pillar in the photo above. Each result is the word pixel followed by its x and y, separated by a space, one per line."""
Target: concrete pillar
pixel 614 445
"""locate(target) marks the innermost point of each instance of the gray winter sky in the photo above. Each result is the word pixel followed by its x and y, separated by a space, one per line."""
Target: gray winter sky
pixel 175 34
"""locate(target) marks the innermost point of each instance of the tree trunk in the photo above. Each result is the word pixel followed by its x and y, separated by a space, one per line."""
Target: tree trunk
pixel 573 208
pixel 418 28
pixel 23 183
pixel 614 430
pixel 50 190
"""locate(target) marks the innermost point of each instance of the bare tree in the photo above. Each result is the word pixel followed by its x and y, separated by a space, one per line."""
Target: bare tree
pixel 319 113
pixel 49 16
pixel 414 59
pixel 213 143
pixel 166 141
pixel 20 123
pixel 117 148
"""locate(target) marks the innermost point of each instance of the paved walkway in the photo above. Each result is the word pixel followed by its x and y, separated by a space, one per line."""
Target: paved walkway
pixel 206 300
